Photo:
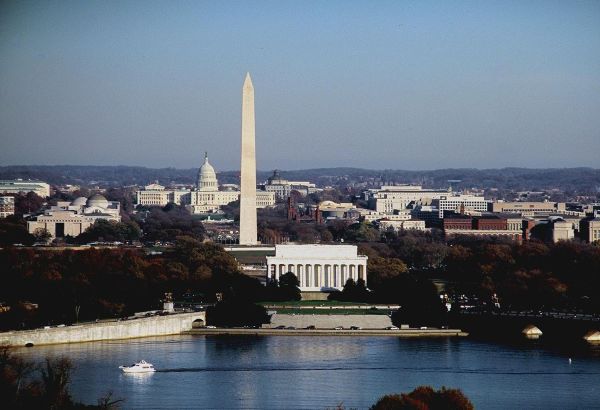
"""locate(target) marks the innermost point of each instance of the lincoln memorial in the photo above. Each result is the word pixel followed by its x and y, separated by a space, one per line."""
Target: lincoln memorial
pixel 318 267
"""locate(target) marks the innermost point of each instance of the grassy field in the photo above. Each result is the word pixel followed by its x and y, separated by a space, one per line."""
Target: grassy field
pixel 333 311
pixel 316 303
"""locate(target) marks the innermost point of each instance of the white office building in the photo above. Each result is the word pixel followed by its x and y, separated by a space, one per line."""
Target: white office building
pixel 460 204
pixel 390 198
pixel 157 195
pixel 406 225
pixel 529 208
pixel 20 186
pixel 562 231
pixel 282 188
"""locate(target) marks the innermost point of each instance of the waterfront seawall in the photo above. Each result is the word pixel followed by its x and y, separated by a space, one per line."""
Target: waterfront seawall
pixel 404 333
pixel 89 332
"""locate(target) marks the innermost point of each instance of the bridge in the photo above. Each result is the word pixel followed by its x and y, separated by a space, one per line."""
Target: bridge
pixel 533 325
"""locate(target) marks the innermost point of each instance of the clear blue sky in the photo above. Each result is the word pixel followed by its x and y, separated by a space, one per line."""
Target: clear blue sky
pixel 375 84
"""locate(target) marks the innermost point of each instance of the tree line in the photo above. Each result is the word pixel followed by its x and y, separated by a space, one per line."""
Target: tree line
pixel 401 266
pixel 66 286
pixel 531 275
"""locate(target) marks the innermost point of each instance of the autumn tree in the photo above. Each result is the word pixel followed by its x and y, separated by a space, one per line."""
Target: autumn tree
pixel 13 230
pixel 425 398
pixel 380 270
pixel 361 232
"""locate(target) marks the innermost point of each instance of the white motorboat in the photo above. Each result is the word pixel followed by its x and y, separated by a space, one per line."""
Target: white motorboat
pixel 139 367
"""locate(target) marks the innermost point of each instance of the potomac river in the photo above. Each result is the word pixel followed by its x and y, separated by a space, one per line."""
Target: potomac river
pixel 295 372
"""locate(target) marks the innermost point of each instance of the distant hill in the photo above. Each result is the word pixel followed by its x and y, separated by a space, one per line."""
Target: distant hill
pixel 98 175
pixel 565 179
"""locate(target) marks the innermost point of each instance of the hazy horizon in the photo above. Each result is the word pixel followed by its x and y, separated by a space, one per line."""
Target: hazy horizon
pixel 386 85
pixel 218 171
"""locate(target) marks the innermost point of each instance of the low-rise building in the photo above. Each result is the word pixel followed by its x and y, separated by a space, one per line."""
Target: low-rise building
pixel 389 198
pixel 335 210
pixel 460 203
pixel 458 223
pixel 428 213
pixel 528 208
pixel 562 231
pixel 489 224
pixel 591 209
pixel 156 195
pixel 513 222
pixel 411 224
pixel 20 186
pixel 369 215
pixel 516 236
pixel 7 206
pixel 590 229
pixel 482 226
pixel 282 188
pixel 67 188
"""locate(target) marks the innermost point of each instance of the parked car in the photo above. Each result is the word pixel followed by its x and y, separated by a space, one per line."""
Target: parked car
pixel 355 328
pixel 392 328
pixel 311 327
pixel 339 328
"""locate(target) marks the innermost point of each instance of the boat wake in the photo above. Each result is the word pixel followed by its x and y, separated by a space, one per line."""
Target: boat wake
pixel 337 369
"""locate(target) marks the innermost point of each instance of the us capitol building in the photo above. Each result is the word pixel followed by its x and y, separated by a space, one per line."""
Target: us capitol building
pixel 205 199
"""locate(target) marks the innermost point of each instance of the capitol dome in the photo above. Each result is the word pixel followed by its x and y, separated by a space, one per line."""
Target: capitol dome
pixel 207 177
pixel 97 200
pixel 81 201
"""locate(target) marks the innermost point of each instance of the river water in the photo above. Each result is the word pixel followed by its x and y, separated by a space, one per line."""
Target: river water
pixel 294 372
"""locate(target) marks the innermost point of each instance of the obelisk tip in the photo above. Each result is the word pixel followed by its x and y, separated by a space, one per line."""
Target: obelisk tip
pixel 248 81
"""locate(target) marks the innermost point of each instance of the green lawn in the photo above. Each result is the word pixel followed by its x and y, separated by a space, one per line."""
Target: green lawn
pixel 333 311
pixel 319 303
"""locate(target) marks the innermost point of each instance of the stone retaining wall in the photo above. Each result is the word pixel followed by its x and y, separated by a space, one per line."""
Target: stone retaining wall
pixel 129 329
pixel 431 332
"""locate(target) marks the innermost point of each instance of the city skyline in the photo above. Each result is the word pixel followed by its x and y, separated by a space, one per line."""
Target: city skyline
pixel 387 86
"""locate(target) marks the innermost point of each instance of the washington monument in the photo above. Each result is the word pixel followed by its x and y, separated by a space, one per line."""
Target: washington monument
pixel 248 235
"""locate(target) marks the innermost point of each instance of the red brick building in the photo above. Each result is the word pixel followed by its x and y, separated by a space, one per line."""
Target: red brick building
pixel 489 224
pixel 458 223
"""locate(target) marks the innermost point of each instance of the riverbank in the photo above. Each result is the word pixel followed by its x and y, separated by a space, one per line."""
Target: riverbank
pixel 331 332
